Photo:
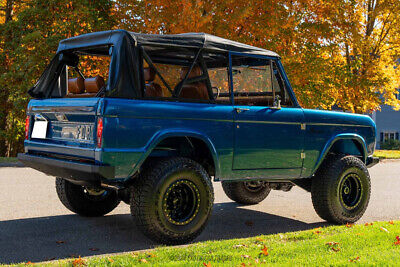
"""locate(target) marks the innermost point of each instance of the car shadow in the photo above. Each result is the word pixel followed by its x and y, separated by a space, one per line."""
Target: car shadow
pixel 57 237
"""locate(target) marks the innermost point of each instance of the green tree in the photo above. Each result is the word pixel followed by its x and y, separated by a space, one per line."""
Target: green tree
pixel 29 36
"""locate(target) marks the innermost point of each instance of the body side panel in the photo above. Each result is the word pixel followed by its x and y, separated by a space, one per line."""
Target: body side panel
pixel 324 128
pixel 134 127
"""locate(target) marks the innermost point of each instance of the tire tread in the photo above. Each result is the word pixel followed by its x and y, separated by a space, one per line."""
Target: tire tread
pixel 144 186
pixel 323 181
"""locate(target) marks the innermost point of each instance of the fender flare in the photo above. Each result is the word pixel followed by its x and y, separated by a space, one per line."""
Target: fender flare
pixel 161 135
pixel 344 136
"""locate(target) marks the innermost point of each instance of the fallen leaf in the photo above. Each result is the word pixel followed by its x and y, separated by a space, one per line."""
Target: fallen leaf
pixel 249 223
pixel 151 255
pixel 317 231
pixel 264 251
pixel 334 246
pixel 349 225
pixel 28 263
pixel 79 262
pixel 259 239
pixel 145 261
pixel 397 242
pixel 110 260
pixel 60 242
pixel 368 224
pixel 207 264
pixel 383 229
pixel 333 243
pixel 93 249
pixel 354 259
pixel 245 256
pixel 391 222
pixel 243 264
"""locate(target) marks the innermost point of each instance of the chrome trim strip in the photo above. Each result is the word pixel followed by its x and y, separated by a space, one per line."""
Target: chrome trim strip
pixel 165 118
pixel 244 121
pixel 270 122
pixel 336 124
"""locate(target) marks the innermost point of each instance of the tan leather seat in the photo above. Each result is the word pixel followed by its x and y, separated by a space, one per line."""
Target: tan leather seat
pixel 152 89
pixel 194 90
pixel 76 86
pixel 93 85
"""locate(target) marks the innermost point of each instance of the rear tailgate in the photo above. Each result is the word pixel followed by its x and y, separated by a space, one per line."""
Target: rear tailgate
pixel 63 126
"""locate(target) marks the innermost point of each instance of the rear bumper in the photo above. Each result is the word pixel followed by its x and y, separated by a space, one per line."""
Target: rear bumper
pixel 76 172
pixel 371 161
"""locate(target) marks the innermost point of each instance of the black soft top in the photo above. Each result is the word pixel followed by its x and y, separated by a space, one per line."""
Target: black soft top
pixel 184 40
pixel 124 79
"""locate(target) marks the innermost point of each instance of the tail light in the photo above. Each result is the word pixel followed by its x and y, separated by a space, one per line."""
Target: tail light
pixel 27 124
pixel 99 131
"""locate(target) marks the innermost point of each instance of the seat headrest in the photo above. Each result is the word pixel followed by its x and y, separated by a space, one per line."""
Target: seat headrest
pixel 195 91
pixel 196 71
pixel 93 85
pixel 76 85
pixel 149 74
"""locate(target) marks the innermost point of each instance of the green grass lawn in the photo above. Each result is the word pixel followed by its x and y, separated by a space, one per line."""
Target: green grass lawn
pixel 376 243
pixel 8 160
pixel 387 154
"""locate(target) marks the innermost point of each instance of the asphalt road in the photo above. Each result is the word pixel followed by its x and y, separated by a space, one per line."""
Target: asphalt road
pixel 35 226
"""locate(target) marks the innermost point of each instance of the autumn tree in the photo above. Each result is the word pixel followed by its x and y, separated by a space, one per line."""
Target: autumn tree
pixel 29 36
pixel 337 52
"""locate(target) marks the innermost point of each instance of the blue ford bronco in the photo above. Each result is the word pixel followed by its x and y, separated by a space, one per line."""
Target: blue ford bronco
pixel 152 119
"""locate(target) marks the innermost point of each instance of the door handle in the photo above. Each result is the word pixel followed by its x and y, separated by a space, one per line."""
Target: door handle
pixel 239 110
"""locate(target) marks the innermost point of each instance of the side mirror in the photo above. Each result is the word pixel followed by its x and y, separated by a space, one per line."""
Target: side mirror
pixel 69 59
pixel 277 103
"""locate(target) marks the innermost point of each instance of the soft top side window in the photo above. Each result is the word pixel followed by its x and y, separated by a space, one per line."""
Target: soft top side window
pixel 185 75
pixel 89 77
pixel 258 82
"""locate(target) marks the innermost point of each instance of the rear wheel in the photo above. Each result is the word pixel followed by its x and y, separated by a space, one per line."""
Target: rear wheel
pixel 248 192
pixel 341 189
pixel 86 201
pixel 172 201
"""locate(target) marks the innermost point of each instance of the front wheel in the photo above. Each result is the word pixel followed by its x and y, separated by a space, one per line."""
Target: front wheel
pixel 341 189
pixel 246 193
pixel 86 201
pixel 171 202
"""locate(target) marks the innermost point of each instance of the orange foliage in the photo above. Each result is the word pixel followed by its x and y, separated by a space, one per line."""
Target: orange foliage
pixel 332 51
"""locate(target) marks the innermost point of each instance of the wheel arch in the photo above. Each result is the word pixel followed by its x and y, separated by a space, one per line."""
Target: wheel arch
pixel 346 143
pixel 178 135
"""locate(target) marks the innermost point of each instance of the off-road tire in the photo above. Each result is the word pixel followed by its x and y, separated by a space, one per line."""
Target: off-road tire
pixel 149 194
pixel 238 192
pixel 74 198
pixel 327 189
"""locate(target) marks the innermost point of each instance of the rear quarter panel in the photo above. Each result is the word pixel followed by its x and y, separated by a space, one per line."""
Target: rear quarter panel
pixel 132 127
pixel 323 126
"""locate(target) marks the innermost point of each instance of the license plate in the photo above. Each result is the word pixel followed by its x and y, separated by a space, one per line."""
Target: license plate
pixel 39 129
